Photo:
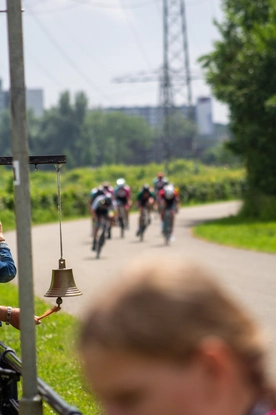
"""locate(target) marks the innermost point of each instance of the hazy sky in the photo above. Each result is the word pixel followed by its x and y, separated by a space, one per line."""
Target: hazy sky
pixel 81 45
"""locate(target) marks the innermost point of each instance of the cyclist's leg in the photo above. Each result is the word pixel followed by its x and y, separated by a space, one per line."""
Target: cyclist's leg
pixel 126 213
pixel 96 226
pixel 172 215
pixel 140 207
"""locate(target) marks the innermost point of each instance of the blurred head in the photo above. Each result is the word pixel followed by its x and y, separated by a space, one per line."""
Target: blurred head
pixel 146 188
pixel 105 185
pixel 107 201
pixel 167 340
pixel 121 182
pixel 160 175
pixel 169 191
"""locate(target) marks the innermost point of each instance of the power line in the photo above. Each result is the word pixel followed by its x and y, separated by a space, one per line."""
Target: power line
pixel 43 69
pixel 110 6
pixel 137 39
pixel 50 11
pixel 69 60
pixel 73 39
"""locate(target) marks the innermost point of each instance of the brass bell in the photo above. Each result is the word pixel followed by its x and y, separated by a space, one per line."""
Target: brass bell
pixel 63 283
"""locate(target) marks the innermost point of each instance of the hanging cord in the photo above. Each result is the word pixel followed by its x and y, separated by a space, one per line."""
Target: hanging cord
pixel 59 210
pixel 54 309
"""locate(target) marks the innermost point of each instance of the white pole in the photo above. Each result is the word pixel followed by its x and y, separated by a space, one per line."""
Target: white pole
pixel 31 402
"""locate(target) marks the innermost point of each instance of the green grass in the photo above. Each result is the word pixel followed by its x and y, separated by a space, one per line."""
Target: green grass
pixel 56 355
pixel 241 233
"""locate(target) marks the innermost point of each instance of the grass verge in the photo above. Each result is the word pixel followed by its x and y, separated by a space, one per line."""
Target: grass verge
pixel 241 233
pixel 56 358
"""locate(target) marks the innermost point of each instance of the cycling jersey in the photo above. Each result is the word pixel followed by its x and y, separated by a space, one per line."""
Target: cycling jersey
pixel 122 194
pixel 95 193
pixel 158 184
pixel 101 208
pixel 169 203
pixel 144 196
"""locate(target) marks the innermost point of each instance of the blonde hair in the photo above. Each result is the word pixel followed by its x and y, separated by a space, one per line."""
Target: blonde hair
pixel 164 308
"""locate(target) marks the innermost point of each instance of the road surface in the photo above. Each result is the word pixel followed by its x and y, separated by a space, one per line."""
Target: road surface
pixel 251 276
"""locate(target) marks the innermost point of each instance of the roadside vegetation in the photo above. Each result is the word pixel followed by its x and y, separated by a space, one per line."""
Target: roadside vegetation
pixel 197 183
pixel 239 232
pixel 57 359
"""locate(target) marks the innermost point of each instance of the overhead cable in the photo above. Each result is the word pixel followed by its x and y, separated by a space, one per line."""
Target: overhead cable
pixel 137 39
pixel 113 6
pixel 69 59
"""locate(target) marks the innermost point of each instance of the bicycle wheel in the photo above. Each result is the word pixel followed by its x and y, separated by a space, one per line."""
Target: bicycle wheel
pixel 143 225
pixel 100 242
pixel 167 227
pixel 122 224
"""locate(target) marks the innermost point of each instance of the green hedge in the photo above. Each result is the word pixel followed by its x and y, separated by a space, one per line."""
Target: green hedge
pixel 209 184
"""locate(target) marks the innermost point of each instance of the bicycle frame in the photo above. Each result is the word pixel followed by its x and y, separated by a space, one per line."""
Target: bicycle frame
pixel 167 230
pixel 143 222
pixel 122 218
pixel 101 239
pixel 11 370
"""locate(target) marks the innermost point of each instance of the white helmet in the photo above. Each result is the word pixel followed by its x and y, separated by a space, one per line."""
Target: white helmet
pixel 121 182
pixel 169 191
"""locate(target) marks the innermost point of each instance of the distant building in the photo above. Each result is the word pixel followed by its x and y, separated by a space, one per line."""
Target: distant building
pixel 34 100
pixel 204 119
pixel 153 115
pixel 202 114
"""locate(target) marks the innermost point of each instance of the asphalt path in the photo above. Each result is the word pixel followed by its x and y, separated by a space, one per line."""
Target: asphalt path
pixel 249 275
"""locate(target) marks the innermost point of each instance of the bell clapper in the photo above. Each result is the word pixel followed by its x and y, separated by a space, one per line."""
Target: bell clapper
pixel 55 309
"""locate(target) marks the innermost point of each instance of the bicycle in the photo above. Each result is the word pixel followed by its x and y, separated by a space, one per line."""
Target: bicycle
pixel 103 226
pixel 144 221
pixel 122 219
pixel 167 226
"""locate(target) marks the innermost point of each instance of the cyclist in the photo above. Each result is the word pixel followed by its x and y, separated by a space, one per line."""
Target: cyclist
pixel 158 182
pixel 101 206
pixel 122 196
pixel 107 188
pixel 145 198
pixel 169 200
pixel 94 193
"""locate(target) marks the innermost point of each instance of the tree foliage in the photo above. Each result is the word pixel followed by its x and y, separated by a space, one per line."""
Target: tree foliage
pixel 86 137
pixel 242 73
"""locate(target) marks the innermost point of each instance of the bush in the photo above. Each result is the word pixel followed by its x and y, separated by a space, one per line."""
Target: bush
pixel 209 184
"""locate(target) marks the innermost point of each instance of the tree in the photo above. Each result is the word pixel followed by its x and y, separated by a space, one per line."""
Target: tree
pixel 118 138
pixel 62 130
pixel 182 132
pixel 242 73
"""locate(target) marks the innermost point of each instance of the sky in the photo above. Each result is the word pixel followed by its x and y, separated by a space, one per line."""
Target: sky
pixel 82 45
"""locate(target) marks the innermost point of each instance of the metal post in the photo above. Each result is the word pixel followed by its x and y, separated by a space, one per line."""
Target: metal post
pixel 166 90
pixel 31 402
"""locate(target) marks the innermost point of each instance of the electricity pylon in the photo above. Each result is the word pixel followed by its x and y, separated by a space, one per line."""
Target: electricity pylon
pixel 174 76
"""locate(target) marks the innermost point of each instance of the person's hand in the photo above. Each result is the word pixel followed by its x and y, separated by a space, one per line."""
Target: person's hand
pixel 2 238
pixel 15 318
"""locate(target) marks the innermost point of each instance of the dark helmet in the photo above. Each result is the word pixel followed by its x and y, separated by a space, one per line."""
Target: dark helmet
pixel 100 191
pixel 146 188
pixel 107 201
pixel 105 185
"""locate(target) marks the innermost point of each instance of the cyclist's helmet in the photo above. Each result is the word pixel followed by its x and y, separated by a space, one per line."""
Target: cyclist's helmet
pixel 100 191
pixel 105 185
pixel 121 182
pixel 160 175
pixel 165 181
pixel 107 201
pixel 169 191
pixel 146 188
